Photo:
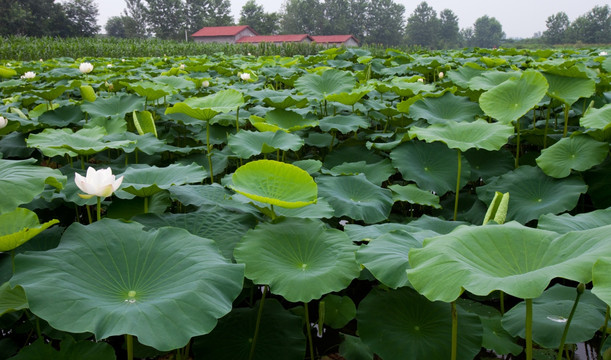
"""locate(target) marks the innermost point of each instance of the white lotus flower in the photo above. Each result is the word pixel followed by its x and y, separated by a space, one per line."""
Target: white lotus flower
pixel 8 64
pixel 100 183
pixel 3 122
pixel 603 53
pixel 421 80
pixel 85 68
pixel 28 75
pixel 205 83
pixel 182 66
pixel 245 76
pixel 109 65
pixel 441 74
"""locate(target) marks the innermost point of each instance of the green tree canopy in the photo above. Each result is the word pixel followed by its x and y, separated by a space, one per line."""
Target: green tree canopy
pixel 423 26
pixel 82 17
pixel 32 18
pixel 557 26
pixel 166 18
pixel 449 35
pixel 594 27
pixel 121 27
pixel 302 17
pixel 384 22
pixel 487 32
pixel 255 16
pixel 135 10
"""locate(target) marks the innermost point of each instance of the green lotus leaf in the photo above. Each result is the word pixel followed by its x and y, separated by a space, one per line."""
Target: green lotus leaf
pixel 579 153
pixel 329 82
pixel 280 335
pixel 205 195
pixel 377 173
pixel 12 299
pixel 19 226
pixel 413 195
pixel 310 165
pixel 532 193
pixel 518 260
pixel 596 118
pixel 447 108
pixel 343 123
pixel 408 87
pixel 174 82
pixel 348 152
pixel 401 324
pixel 69 349
pixel 386 257
pixel 351 98
pixel 224 227
pixel 280 99
pixel 205 108
pixel 300 259
pixel 7 72
pixel 489 79
pixel 87 93
pixel 280 119
pixel 250 143
pixel 53 142
pixel 22 181
pixel 144 122
pixel 150 90
pixel 433 166
pixel 356 197
pixel 466 135
pixel 275 183
pixel 62 116
pixel 567 222
pixel 56 91
pixel 149 180
pixel 353 348
pixel 601 280
pixel 486 164
pixel 338 310
pixel 569 89
pixel 115 106
pixel 550 314
pixel 112 278
pixel 513 98
pixel 463 75
pixel 321 209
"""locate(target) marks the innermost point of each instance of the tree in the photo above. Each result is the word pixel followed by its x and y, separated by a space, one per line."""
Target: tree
pixel 592 28
pixel 384 22
pixel 32 18
pixel 423 26
pixel 82 17
pixel 135 10
pixel 166 18
pixel 345 17
pixel 466 36
pixel 487 32
pixel 262 22
pixel 557 26
pixel 302 17
pixel 121 27
pixel 449 33
pixel 200 13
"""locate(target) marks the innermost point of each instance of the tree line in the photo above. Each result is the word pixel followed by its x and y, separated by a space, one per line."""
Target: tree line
pixel 371 21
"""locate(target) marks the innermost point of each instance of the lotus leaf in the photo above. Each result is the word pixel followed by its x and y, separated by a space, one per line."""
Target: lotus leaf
pixel 19 226
pixel 149 180
pixel 116 106
pixel 412 194
pixel 447 108
pixel 331 81
pixel 596 118
pixel 579 153
pixel 567 222
pixel 250 143
pixel 52 142
pixel 205 108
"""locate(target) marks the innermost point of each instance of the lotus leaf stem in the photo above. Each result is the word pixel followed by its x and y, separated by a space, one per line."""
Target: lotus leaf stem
pixel 209 149
pixel 454 330
pixel 257 325
pixel 502 299
pixel 529 329
pixel 89 214
pixel 566 120
pixel 237 120
pixel 99 208
pixel 146 204
pixel 604 332
pixel 580 289
pixel 457 184
pixel 517 163
pixel 549 109
pixel 129 344
pixel 308 330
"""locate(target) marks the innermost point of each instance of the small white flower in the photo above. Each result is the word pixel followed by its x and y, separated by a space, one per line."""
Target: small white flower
pixel 421 80
pixel 245 76
pixel 122 60
pixel 182 66
pixel 40 60
pixel 100 183
pixel 343 222
pixel 249 54
pixel 603 53
pixel 86 68
pixel 441 74
pixel 8 64
pixel 3 122
pixel 205 83
pixel 109 66
pixel 28 75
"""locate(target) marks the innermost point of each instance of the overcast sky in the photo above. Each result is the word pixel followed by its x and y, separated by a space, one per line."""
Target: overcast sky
pixel 520 18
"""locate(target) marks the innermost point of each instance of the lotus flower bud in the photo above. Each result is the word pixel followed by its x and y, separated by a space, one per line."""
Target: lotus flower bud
pixel 205 83
pixel 245 76
pixel 441 74
pixel 86 68
pixel 3 122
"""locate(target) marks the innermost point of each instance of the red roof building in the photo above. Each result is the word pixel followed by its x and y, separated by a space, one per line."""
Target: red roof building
pixel 336 40
pixel 223 34
pixel 276 39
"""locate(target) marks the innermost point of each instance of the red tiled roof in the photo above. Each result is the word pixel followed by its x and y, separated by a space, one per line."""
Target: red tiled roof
pixel 333 38
pixel 222 30
pixel 274 38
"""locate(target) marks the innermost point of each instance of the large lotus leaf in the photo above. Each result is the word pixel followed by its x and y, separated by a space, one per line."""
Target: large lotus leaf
pixel 250 143
pixel 321 209
pixel 412 194
pixel 69 349
pixel 56 91
pixel 280 335
pixel 150 90
pixel 518 260
pixel 550 314
pixel 174 82
pixel 353 348
pixel 52 142
pixel 149 180
pixel 352 97
pixel 597 179
pixel 449 107
pixel 205 108
pixel 114 106
pixel 62 116
pixel 12 299
pixel 568 89
pixel 22 181
pixel 300 259
pixel 401 324
pixel 596 118
pixel 377 173
pixel 466 135
pixel 348 152
pixel 486 165
pixel 19 226
pixel 224 227
pixel 407 87
pixel 338 310
pixel 7 72
pixel 465 73
pixel 144 122
pixel 343 123
pixel 532 193
pixel 567 222
pixel 329 82
pixel 513 98
pixel 433 166
pixel 276 183
pixel 386 257
pixel 280 119
pixel 113 278
pixel 579 153
pixel 489 79
pixel 356 197
pixel 601 279
pixel 205 195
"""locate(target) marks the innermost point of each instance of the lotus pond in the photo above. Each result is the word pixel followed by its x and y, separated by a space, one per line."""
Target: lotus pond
pixel 443 205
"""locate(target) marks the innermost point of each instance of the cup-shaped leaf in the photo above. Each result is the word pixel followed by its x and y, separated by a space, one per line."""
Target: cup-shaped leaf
pixel 338 310
pixel 144 122
pixel 513 98
pixel 149 180
pixel 343 123
pixel 568 89
pixel 377 172
pixel 447 108
pixel 12 299
pixel 300 259
pixel 205 108
pixel 52 142
pixel 329 82
pixel 150 90
pixel 412 194
pixel 275 183
pixel 250 143
pixel 579 152
pixel 596 118
pixel 114 106
pixel 567 222
pixel 280 119
pixel 113 278
pixel 19 226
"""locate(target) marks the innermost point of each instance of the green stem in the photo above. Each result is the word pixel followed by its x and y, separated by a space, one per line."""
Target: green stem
pixel 89 214
pixel 517 163
pixel 129 344
pixel 549 109
pixel 529 329
pixel 566 120
pixel 604 332
pixel 454 330
pixel 13 260
pixel 332 141
pixel 146 204
pixel 209 148
pixel 568 322
pixel 237 120
pixel 502 298
pixel 257 324
pixel 308 331
pixel 457 184
pixel 99 208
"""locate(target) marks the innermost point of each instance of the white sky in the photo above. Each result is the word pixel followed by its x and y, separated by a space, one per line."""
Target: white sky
pixel 520 18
